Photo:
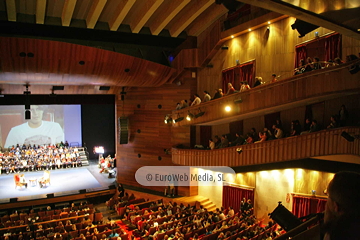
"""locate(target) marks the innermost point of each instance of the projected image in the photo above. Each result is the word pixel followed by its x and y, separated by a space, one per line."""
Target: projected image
pixel 48 124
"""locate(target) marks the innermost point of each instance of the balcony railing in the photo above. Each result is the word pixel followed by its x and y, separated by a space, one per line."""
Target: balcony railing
pixel 317 144
pixel 307 87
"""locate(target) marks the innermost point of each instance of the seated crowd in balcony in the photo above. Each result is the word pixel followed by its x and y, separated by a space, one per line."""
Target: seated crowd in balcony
pixel 277 131
pixel 304 66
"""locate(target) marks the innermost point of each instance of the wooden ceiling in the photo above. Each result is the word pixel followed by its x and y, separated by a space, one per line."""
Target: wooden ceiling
pixel 56 63
pixel 166 17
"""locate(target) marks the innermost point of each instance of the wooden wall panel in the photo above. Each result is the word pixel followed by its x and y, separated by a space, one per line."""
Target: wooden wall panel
pixel 155 135
pixel 318 144
pixel 274 52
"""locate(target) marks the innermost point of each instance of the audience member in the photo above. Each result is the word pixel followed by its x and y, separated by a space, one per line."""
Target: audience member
pixel 337 61
pixel 197 100
pixel 240 140
pixel 211 144
pixel 230 90
pixel 278 132
pixel 343 115
pixel 342 206
pixel 316 63
pixel 258 81
pixel 295 128
pixel 224 142
pixel 218 93
pixel 244 86
pixel 333 122
pixel 207 96
pixel 273 78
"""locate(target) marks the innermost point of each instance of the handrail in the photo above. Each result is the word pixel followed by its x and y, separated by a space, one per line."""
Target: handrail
pixel 321 143
pixel 302 87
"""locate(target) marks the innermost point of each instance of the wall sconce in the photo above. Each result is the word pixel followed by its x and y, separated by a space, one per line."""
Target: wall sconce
pixel 227 108
pixel 238 100
pixel 239 150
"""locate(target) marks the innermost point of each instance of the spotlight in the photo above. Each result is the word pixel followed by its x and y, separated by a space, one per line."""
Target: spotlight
pixel 168 119
pixel 27 114
pixel 227 108
pixel 239 150
pixel 349 137
pixel 178 119
pixel 199 114
pixel 190 116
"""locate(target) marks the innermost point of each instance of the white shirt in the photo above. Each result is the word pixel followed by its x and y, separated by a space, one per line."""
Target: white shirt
pixel 196 101
pixel 47 133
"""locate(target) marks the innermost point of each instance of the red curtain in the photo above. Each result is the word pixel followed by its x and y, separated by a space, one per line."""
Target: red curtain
pixel 333 46
pixel 321 205
pixel 300 53
pixel 235 75
pixel 229 76
pixel 232 196
pixel 247 72
pixel 303 206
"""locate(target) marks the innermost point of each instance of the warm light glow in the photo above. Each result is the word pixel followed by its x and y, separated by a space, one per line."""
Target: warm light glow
pixel 165 121
pixel 249 29
pixel 232 36
pixel 268 27
pixel 228 108
pixel 268 22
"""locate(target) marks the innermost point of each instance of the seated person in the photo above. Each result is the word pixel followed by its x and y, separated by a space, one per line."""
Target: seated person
pixel 23 180
pixel 44 179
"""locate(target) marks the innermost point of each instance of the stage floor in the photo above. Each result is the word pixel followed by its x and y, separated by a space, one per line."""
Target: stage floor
pixel 62 182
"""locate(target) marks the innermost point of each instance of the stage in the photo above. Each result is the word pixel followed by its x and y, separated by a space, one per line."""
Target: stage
pixel 62 182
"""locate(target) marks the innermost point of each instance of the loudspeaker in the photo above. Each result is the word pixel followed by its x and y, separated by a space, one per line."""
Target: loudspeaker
pixel 284 218
pixel 27 115
pixel 50 195
pixel 13 200
pixel 303 28
pixel 81 191
pixel 123 130
pixel 347 136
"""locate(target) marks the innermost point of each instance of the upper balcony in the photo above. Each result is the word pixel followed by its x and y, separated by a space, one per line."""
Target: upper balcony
pixel 323 145
pixel 287 93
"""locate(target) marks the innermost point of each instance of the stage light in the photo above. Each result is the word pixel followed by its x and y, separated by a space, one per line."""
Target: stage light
pixel 249 29
pixel 178 119
pixel 190 116
pixel 199 114
pixel 227 108
pixel 232 36
pixel 269 22
pixel 168 119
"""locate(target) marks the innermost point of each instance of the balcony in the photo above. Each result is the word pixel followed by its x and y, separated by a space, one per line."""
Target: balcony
pixel 288 93
pixel 323 145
